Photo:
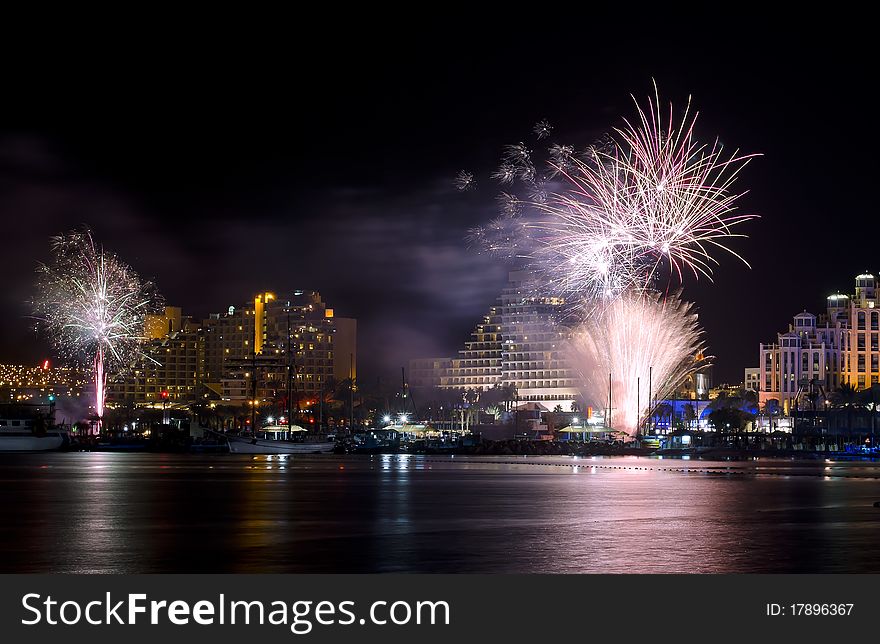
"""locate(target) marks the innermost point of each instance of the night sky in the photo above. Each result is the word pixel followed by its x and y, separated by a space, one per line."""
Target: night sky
pixel 329 164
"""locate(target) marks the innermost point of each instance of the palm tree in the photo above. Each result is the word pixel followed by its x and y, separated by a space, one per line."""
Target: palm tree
pixel 664 410
pixel 870 399
pixel 690 415
pixel 846 397
pixel 771 409
pixel 509 395
pixel 325 395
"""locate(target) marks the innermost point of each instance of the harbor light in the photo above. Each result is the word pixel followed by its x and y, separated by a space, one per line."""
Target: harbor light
pixel 386 418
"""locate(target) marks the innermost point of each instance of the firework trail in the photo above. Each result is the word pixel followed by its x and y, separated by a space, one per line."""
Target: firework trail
pixel 92 306
pixel 639 337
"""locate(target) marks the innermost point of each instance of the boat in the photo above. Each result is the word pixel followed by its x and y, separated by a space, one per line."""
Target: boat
pixel 24 435
pixel 375 441
pixel 280 440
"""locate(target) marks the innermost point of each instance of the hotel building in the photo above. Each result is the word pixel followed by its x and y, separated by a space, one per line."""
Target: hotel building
pixel 297 331
pixel 518 342
pixel 820 353
pixel 223 356
pixel 173 362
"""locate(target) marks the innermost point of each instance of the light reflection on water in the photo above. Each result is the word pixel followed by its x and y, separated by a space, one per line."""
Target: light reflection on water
pixel 226 513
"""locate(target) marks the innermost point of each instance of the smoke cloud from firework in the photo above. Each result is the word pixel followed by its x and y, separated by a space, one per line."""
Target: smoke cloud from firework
pixel 93 307
pixel 601 226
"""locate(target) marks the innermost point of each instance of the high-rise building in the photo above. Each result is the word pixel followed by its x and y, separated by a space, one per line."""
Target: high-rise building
pixel 863 366
pixel 478 364
pixel 819 353
pixel 519 342
pixel 157 326
pixel 293 341
pixel 173 362
pixel 227 356
pixel 427 372
pixel 532 346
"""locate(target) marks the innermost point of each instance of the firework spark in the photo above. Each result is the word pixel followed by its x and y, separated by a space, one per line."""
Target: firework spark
pixel 639 340
pixel 561 159
pixel 657 199
pixel 509 203
pixel 92 305
pixel 542 129
pixel 645 200
pixel 518 157
pixel 506 173
pixel 464 180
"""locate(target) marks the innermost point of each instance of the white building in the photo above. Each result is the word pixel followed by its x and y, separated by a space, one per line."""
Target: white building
pixel 519 342
pixel 819 353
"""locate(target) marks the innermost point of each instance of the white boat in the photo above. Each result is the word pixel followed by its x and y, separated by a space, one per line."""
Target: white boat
pixel 18 435
pixel 23 442
pixel 273 440
pixel 248 445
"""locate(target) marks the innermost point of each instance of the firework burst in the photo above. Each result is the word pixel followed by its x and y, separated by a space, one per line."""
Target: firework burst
pixel 464 180
pixel 657 199
pixel 506 173
pixel 638 341
pixel 646 200
pixel 542 129
pixel 92 306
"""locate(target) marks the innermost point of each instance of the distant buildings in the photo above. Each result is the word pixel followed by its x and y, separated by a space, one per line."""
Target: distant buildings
pixel 248 352
pixel 518 342
pixel 35 384
pixel 173 362
pixel 817 354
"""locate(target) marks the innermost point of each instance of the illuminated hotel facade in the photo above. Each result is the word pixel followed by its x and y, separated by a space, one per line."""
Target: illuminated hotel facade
pixel 297 331
pixel 519 342
pixel 820 353
pixel 229 355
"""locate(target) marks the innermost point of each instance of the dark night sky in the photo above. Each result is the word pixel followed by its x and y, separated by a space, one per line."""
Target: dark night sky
pixel 229 169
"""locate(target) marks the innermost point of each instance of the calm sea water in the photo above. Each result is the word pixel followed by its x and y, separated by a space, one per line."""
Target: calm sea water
pixel 133 513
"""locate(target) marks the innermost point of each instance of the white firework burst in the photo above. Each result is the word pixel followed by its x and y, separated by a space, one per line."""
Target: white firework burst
pixel 93 307
pixel 464 180
pixel 542 129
